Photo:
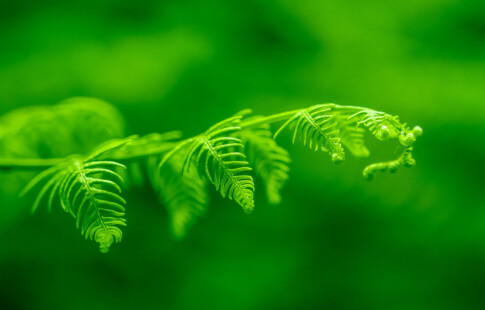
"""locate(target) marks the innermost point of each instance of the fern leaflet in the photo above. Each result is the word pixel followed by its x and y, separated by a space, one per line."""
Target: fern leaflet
pixel 90 190
pixel 222 159
pixel 185 197
pixel 351 136
pixel 269 161
pixel 317 128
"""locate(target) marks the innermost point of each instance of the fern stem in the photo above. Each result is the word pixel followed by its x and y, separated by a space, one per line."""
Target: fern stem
pixel 39 163
pixel 29 163
pixel 42 163
pixel 254 123
pixel 89 192
pixel 156 151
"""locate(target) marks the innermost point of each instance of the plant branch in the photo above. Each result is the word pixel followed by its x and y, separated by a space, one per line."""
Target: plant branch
pixel 41 163
pixel 29 163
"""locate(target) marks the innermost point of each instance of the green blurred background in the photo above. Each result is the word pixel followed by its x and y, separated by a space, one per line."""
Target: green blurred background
pixel 414 240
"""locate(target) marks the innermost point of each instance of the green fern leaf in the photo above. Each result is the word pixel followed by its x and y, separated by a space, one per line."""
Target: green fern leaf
pixel 75 125
pixel 352 136
pixel 93 195
pixel 90 190
pixel 317 127
pixel 222 159
pixel 185 197
pixel 269 161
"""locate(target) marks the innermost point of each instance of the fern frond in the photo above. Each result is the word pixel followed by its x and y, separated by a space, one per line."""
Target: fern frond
pixel 90 190
pixel 317 127
pixel 94 197
pixel 269 161
pixel 74 126
pixel 185 197
pixel 223 161
pixel 351 136
pixel 353 139
pixel 89 186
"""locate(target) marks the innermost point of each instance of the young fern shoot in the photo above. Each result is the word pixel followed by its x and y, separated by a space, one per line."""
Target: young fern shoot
pixel 227 155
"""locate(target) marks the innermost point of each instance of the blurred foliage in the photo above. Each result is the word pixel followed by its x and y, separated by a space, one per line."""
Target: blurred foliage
pixel 414 240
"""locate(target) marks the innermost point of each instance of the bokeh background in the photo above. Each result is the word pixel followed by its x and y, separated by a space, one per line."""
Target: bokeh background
pixel 414 240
